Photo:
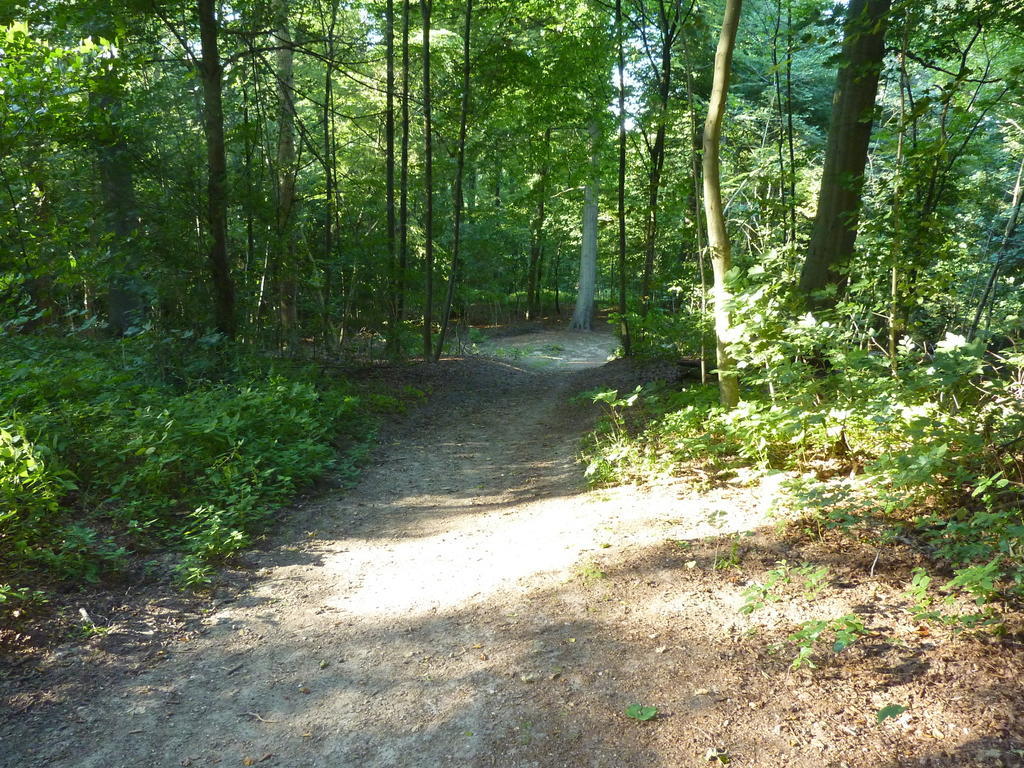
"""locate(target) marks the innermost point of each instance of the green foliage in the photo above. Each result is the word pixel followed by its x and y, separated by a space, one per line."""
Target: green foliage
pixel 934 432
pixel 641 713
pixel 107 449
pixel 813 579
pixel 845 631
pixel 893 710
pixel 665 335
pixel 758 595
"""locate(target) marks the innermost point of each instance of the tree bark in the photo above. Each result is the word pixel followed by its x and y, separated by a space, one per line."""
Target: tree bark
pixel 718 239
pixel 835 224
pixel 533 281
pixel 1011 227
pixel 669 30
pixel 403 183
pixel 330 177
pixel 460 165
pixel 428 188
pixel 125 301
pixel 583 314
pixel 695 172
pixel 389 174
pixel 210 71
pixel 627 342
pixel 789 121
pixel 285 266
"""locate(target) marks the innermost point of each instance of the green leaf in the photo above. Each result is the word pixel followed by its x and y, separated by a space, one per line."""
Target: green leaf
pixel 642 713
pixel 893 710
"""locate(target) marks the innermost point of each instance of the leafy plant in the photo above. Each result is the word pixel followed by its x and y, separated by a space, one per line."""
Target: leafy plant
pixel 758 595
pixel 845 630
pixel 106 451
pixel 885 713
pixel 641 712
pixel 732 559
pixel 815 579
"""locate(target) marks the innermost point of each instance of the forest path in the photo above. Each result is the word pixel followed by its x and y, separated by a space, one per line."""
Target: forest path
pixel 469 603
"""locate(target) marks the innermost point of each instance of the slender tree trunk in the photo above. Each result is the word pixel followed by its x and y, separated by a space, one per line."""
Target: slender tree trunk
pixel 1008 232
pixel 657 160
pixel 460 165
pixel 389 175
pixel 248 155
pixel 286 171
pixel 125 302
pixel 896 249
pixel 624 334
pixel 583 314
pixel 695 172
pixel 428 187
pixel 210 71
pixel 330 177
pixel 555 280
pixel 835 225
pixel 781 137
pixel 789 121
pixel 718 239
pixel 533 281
pixel 403 194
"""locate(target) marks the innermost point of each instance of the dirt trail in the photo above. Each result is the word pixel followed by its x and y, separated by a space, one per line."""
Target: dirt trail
pixel 470 603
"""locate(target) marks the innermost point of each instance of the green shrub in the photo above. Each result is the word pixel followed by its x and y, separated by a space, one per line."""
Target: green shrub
pixel 935 430
pixel 110 447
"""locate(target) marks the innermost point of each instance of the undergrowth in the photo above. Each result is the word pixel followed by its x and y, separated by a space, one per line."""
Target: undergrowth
pixel 924 446
pixel 110 449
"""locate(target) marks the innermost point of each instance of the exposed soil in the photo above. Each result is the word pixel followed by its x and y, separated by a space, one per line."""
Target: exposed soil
pixel 471 603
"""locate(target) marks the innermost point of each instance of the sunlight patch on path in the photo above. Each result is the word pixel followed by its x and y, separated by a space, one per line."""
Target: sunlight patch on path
pixel 519 549
pixel 550 349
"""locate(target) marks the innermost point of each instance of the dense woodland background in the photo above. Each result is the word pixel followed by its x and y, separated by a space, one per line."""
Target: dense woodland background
pixel 204 202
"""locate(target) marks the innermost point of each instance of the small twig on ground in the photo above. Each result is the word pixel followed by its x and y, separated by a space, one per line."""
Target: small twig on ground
pixel 258 716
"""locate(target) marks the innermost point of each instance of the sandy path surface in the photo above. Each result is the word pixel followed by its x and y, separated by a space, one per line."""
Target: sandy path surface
pixel 469 603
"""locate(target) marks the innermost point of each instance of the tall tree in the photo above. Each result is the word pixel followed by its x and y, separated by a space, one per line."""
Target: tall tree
pixel 460 165
pixel 403 183
pixel 583 314
pixel 428 188
pixel 533 287
pixel 839 200
pixel 627 342
pixel 1016 198
pixel 211 74
pixel 286 173
pixel 668 21
pixel 125 300
pixel 389 173
pixel 718 238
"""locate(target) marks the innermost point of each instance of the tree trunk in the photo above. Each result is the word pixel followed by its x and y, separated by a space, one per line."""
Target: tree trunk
pixel 657 160
pixel 460 165
pixel 695 172
pixel 389 175
pixel 1008 232
pixel 403 194
pixel 835 224
pixel 789 121
pixel 210 71
pixel 718 239
pixel 583 314
pixel 428 188
pixel 533 281
pixel 286 170
pixel 627 342
pixel 669 28
pixel 330 177
pixel 125 302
